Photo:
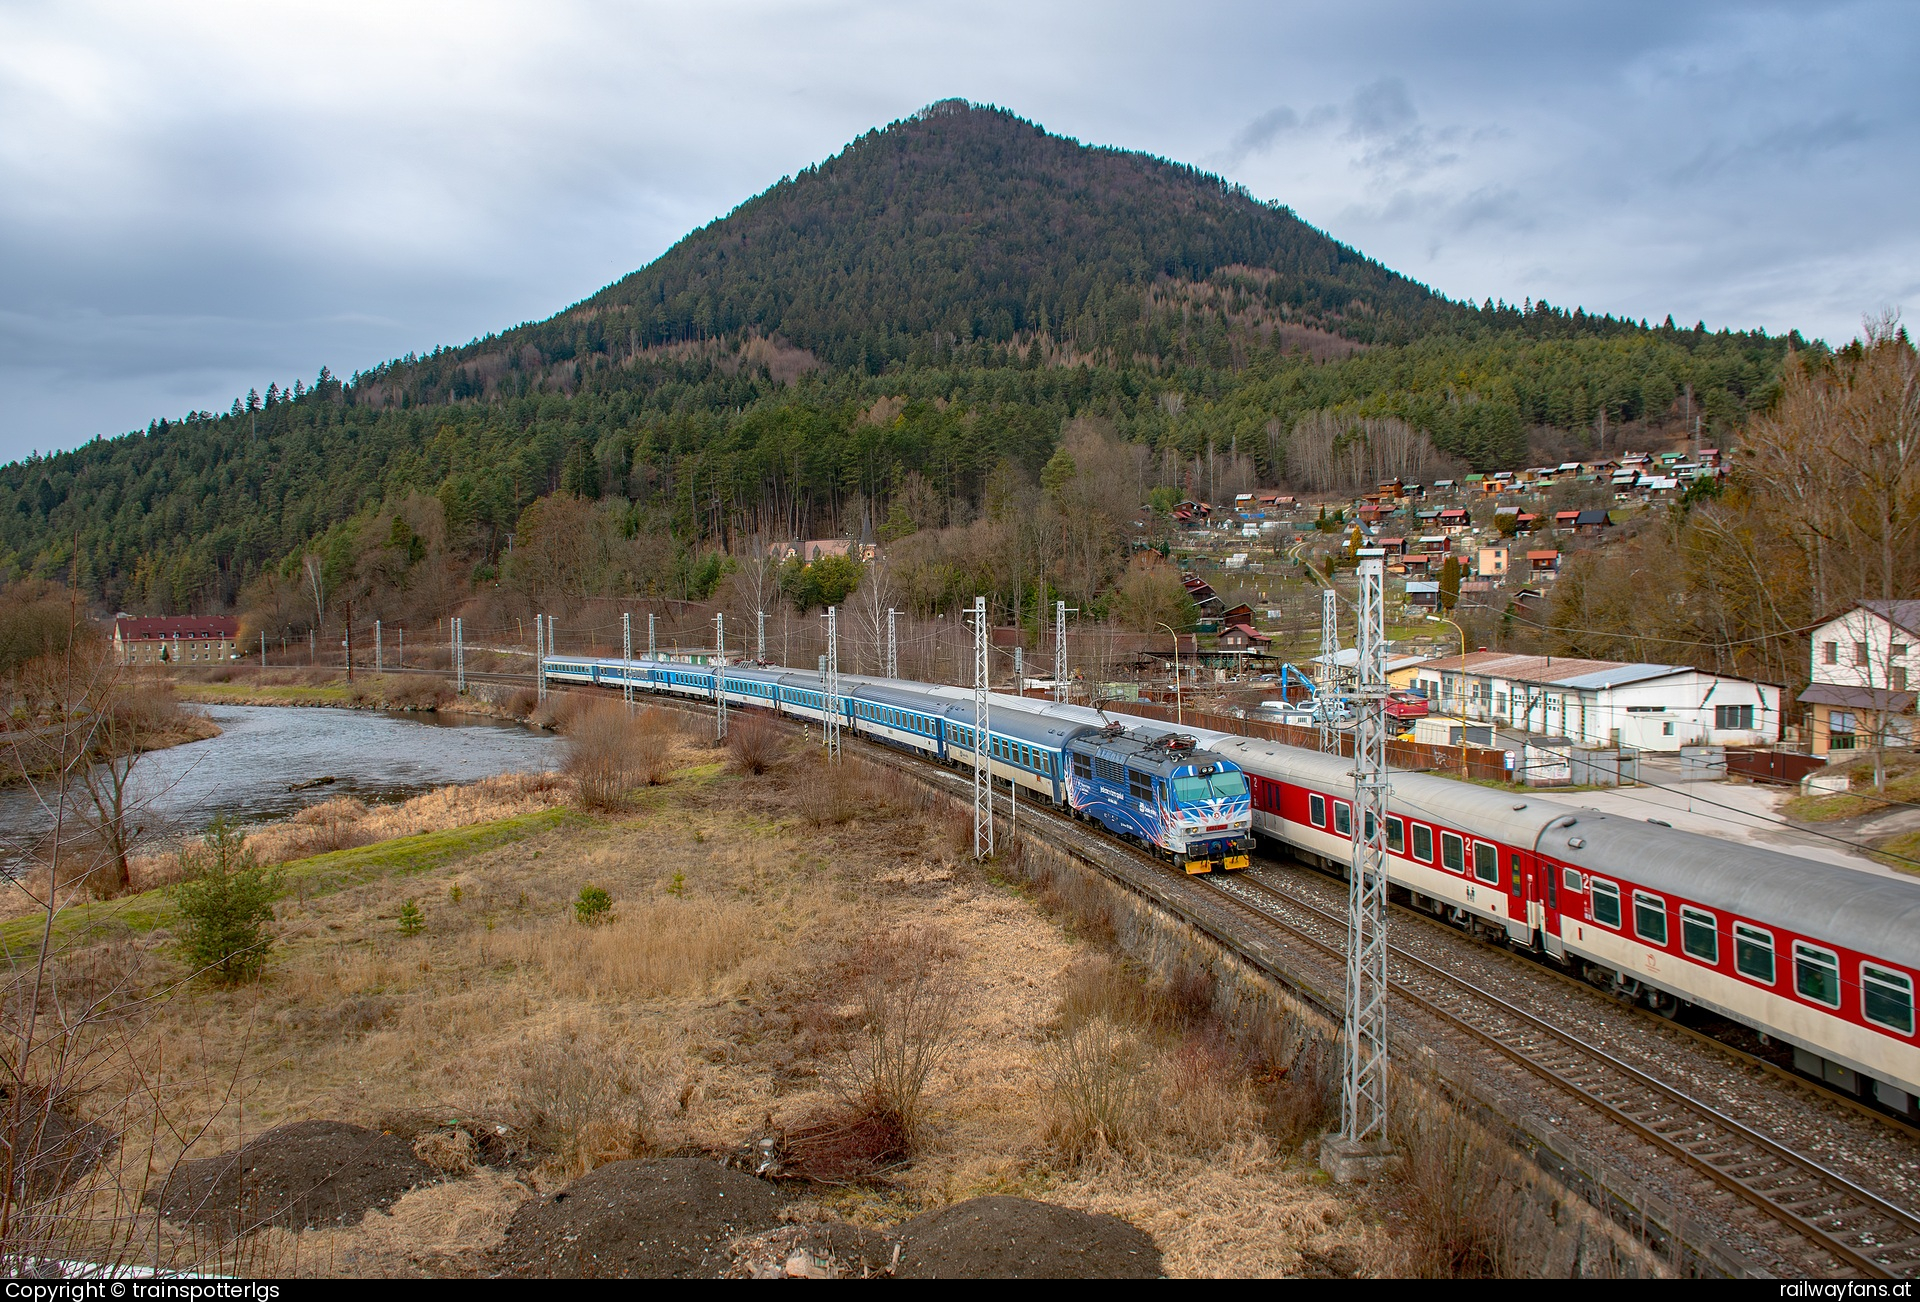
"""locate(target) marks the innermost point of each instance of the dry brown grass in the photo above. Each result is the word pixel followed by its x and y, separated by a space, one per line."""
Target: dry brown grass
pixel 654 947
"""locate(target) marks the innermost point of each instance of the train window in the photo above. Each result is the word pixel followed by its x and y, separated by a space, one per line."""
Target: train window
pixel 1423 843
pixel 1453 853
pixel 1366 821
pixel 1396 836
pixel 1083 767
pixel 1753 952
pixel 1650 918
pixel 1343 818
pixel 1139 785
pixel 1700 935
pixel 1317 810
pixel 1486 863
pixel 1606 903
pixel 1887 998
pixel 1570 879
pixel 1816 974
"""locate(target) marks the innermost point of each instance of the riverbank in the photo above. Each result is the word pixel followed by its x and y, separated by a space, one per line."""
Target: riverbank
pixel 447 986
pixel 176 727
pixel 409 692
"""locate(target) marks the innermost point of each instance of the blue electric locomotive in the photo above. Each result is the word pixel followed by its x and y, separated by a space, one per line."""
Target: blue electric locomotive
pixel 1195 809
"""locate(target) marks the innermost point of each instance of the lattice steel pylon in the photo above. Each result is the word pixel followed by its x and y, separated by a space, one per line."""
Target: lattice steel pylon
pixel 832 724
pixel 893 644
pixel 1060 651
pixel 1363 1092
pixel 982 774
pixel 459 657
pixel 540 656
pixel 760 639
pixel 626 653
pixel 1327 689
pixel 719 673
pixel 651 652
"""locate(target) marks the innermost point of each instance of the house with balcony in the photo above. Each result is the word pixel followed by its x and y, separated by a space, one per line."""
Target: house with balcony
pixel 1864 671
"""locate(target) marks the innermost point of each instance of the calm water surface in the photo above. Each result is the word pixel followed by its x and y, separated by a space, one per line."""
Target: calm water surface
pixel 245 772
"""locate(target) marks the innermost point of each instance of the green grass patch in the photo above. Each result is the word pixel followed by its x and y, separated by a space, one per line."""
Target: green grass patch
pixel 216 693
pixel 322 874
pixel 1830 806
pixel 1902 853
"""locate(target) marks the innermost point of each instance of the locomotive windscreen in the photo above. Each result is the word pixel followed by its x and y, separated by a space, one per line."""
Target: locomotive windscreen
pixel 1217 786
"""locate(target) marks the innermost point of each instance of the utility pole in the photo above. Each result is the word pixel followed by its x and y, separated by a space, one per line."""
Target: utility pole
pixel 378 658
pixel 833 684
pixel 719 672
pixel 893 645
pixel 1329 675
pixel 459 657
pixel 982 771
pixel 1019 670
pixel 349 641
pixel 263 648
pixel 1362 1143
pixel 312 648
pixel 400 651
pixel 540 657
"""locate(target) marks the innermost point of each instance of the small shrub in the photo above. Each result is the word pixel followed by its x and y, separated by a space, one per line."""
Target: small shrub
pixel 677 884
pixel 1098 1090
pixel 753 744
pixel 521 704
pixel 594 905
pixel 909 1003
pixel 412 921
pixel 225 897
pixel 603 756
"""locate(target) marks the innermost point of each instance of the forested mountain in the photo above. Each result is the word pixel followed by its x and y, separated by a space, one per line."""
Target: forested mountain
pixel 873 344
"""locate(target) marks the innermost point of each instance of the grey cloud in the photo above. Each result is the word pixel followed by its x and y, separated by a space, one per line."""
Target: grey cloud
pixel 1381 108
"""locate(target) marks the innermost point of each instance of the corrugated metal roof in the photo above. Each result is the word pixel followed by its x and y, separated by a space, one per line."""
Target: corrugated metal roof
pixel 1555 671
pixel 1858 698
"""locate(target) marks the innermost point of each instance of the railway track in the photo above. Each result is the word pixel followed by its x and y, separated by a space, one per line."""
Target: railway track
pixel 1839 1225
pixel 1855 1226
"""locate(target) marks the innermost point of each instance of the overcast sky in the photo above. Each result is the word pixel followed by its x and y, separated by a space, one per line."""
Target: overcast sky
pixel 196 199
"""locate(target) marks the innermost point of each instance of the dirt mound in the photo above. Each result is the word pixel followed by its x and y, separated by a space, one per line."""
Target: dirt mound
pixel 1017 1238
pixel 669 1218
pixel 308 1174
pixel 52 1148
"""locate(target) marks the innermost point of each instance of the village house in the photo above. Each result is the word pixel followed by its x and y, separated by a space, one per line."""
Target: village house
pixel 814 548
pixel 1543 565
pixel 1602 702
pixel 1864 677
pixel 175 639
pixel 1491 563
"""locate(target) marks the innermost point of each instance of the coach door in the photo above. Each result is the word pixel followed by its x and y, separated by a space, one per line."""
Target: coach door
pixel 1544 904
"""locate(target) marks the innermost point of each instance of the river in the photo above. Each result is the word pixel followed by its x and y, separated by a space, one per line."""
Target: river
pixel 261 751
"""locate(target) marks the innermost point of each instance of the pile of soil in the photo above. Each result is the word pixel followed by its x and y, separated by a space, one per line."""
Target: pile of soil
pixel 1017 1238
pixel 53 1148
pixel 668 1218
pixel 308 1174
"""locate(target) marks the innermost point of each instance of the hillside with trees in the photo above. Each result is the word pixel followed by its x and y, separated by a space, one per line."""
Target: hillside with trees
pixel 904 340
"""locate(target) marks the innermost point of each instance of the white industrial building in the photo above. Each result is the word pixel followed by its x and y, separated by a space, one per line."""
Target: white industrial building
pixel 1600 702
